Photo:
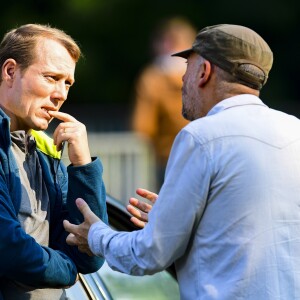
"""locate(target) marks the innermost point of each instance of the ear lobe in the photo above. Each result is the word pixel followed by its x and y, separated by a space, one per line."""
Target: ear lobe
pixel 205 73
pixel 8 70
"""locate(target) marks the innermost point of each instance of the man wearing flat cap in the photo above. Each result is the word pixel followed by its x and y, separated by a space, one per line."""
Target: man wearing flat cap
pixel 228 214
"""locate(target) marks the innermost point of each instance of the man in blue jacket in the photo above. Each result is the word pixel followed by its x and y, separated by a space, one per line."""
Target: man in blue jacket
pixel 36 190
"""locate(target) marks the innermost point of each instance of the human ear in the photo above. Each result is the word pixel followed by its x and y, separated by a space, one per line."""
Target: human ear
pixel 205 73
pixel 8 71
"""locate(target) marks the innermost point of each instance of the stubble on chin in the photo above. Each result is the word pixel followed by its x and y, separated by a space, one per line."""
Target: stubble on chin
pixel 186 109
pixel 184 113
pixel 187 114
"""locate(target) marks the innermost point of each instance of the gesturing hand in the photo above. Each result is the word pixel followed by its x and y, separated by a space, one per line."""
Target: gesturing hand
pixel 79 233
pixel 75 134
pixel 138 209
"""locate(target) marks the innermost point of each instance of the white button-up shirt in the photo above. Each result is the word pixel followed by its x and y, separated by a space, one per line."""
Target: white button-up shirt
pixel 228 213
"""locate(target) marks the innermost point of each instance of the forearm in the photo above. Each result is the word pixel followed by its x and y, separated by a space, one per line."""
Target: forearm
pixel 135 253
pixel 25 261
pixel 86 182
pixel 171 221
pixel 84 263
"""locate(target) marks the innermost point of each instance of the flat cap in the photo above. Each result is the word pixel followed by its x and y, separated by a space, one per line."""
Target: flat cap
pixel 230 46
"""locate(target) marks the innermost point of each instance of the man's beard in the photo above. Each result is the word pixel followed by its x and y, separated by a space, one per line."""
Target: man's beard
pixel 186 113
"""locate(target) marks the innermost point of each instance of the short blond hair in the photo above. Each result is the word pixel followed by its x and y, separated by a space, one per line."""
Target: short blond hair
pixel 20 43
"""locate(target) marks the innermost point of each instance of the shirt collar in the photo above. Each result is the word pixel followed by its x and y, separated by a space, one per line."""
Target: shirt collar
pixel 239 100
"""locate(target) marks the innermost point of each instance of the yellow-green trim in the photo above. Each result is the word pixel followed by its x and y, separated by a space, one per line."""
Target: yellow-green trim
pixel 45 144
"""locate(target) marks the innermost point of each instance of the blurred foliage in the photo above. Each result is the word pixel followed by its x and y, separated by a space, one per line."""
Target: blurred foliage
pixel 114 36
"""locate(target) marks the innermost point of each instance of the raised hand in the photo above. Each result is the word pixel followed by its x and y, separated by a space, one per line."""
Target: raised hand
pixel 138 209
pixel 75 134
pixel 79 233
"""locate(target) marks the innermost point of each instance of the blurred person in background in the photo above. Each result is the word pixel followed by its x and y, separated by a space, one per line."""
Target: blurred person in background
pixel 157 109
pixel 37 191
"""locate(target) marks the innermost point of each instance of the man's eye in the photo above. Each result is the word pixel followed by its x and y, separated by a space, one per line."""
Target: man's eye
pixel 50 77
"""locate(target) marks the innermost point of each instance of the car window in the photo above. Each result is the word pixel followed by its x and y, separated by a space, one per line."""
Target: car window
pixel 109 284
pixel 160 286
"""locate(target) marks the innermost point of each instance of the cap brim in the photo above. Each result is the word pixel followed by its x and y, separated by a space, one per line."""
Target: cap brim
pixel 184 54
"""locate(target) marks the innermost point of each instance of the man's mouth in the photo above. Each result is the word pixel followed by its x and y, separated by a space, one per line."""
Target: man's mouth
pixel 46 113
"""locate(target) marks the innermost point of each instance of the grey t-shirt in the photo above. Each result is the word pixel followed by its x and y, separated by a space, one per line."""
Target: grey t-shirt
pixel 34 213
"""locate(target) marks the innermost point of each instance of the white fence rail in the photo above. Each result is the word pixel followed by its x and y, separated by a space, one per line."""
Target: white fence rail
pixel 128 162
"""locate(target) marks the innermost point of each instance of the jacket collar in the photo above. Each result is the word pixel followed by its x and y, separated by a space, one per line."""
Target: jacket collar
pixel 43 142
pixel 5 141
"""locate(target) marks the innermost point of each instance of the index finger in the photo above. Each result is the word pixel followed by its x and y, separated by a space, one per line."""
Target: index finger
pixel 147 194
pixel 62 116
pixel 69 227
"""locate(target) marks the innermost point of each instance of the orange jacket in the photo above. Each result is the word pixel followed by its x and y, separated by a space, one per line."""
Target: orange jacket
pixel 157 112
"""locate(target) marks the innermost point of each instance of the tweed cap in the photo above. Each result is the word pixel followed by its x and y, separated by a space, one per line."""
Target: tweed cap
pixel 230 46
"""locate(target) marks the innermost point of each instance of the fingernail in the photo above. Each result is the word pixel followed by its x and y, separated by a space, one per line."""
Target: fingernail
pixel 79 202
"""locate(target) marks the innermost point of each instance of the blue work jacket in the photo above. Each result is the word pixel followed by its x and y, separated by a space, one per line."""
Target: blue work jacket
pixel 21 257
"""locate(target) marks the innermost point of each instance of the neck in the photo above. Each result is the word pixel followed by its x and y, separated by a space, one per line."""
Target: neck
pixel 231 90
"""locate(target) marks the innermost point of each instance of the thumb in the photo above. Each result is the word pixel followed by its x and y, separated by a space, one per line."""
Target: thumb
pixel 87 213
pixel 82 206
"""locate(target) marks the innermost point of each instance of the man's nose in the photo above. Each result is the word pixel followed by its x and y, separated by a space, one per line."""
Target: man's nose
pixel 61 92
